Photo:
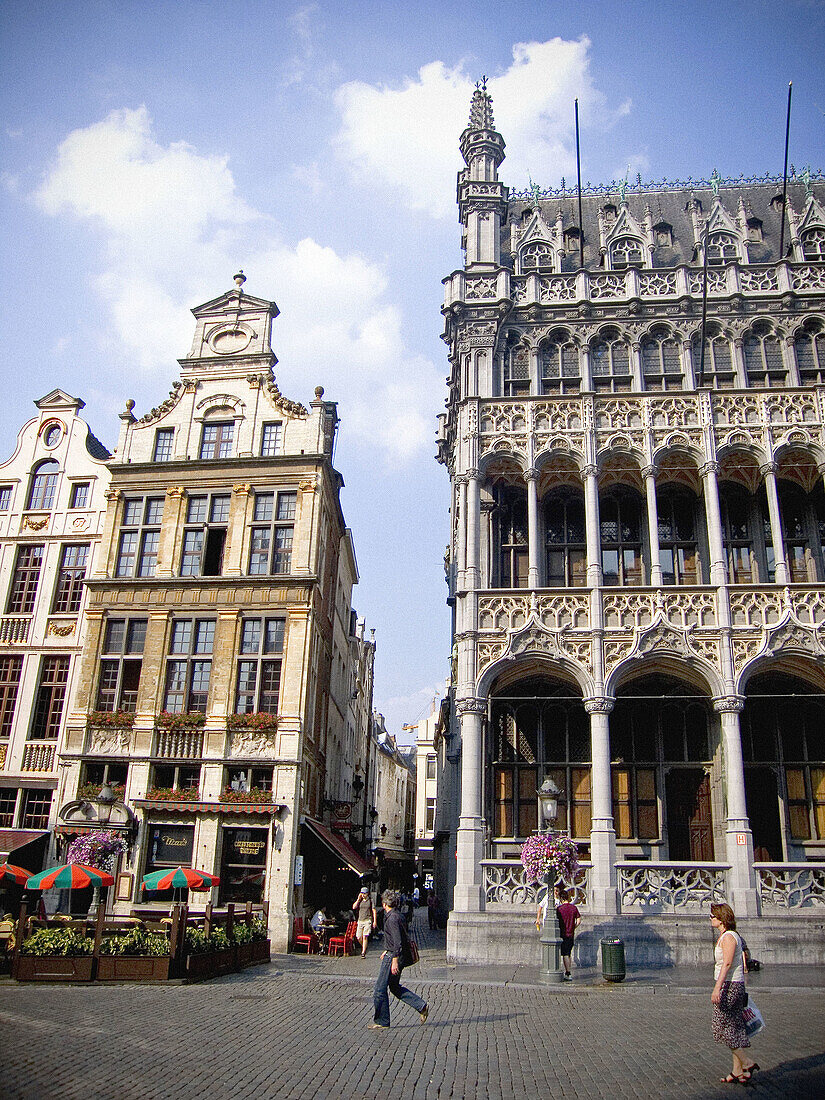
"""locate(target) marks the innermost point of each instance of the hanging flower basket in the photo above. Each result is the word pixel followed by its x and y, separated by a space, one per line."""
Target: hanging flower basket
pixel 110 719
pixel 260 721
pixel 186 721
pixel 88 792
pixel 99 849
pixel 543 853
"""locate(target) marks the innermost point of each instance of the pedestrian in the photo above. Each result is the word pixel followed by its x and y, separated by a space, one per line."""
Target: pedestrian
pixel 365 915
pixel 729 996
pixel 542 909
pixel 394 958
pixel 432 909
pixel 569 919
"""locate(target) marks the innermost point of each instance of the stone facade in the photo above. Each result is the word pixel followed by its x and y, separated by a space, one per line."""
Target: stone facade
pixel 216 679
pixel 52 503
pixel 638 523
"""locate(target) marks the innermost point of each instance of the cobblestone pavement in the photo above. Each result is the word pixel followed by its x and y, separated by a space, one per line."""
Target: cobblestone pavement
pixel 297 1029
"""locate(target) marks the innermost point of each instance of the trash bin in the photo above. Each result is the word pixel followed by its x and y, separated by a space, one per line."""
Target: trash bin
pixel 613 968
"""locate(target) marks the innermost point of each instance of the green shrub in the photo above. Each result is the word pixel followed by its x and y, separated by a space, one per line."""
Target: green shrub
pixel 58 942
pixel 259 929
pixel 196 942
pixel 241 933
pixel 137 941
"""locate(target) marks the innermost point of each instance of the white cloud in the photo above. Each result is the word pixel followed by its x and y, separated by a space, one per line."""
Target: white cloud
pixel 174 229
pixel 406 137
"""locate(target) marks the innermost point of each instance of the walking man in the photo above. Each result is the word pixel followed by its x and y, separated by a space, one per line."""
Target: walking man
pixel 569 919
pixel 365 915
pixel 395 957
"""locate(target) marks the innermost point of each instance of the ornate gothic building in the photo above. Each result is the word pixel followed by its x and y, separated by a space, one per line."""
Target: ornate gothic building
pixel 637 557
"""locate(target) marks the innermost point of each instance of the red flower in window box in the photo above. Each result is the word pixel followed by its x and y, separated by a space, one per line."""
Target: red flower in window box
pixel 184 721
pixel 173 794
pixel 259 720
pixel 111 719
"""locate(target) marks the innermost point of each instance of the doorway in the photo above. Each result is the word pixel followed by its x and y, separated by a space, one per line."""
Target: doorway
pixel 762 800
pixel 689 831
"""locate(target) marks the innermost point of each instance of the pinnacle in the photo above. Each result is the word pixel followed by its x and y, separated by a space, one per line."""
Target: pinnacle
pixel 481 108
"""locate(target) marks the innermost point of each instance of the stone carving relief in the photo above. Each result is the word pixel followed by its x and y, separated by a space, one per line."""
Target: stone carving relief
pixel 254 743
pixel 109 742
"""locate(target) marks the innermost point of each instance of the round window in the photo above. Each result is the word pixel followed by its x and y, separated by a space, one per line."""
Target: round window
pixel 52 435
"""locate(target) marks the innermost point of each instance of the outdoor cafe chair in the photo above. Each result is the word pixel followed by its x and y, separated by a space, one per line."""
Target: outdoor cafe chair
pixel 343 943
pixel 301 940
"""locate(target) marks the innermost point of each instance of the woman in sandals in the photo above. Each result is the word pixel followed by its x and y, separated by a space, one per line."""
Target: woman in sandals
pixel 729 997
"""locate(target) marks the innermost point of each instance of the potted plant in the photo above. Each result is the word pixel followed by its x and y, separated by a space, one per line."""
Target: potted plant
pixel 242 937
pixel 546 854
pixel 186 720
pixel 260 941
pixel 208 956
pixel 55 955
pixel 110 719
pixel 137 955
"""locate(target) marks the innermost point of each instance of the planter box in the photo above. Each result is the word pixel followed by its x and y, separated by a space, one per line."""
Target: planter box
pixel 260 951
pixel 50 968
pixel 212 964
pixel 244 951
pixel 133 968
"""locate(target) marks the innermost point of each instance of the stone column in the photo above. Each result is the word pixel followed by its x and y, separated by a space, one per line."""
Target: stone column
pixel 738 837
pixel 235 554
pixel 533 567
pixel 469 892
pixel 171 529
pixel 713 516
pixel 460 526
pixel 472 575
pixel 649 473
pixel 591 520
pixel 604 896
pixel 768 471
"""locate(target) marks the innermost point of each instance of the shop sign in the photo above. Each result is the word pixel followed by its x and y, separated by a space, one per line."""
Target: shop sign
pixel 245 846
pixel 172 844
pixel 299 870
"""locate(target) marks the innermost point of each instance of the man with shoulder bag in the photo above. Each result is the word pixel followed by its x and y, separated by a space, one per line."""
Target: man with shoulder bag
pixel 395 957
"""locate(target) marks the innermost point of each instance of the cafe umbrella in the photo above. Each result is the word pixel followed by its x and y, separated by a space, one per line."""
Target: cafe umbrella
pixel 70 876
pixel 14 874
pixel 179 878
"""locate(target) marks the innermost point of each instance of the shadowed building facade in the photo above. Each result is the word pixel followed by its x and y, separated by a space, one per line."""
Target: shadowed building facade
pixel 636 560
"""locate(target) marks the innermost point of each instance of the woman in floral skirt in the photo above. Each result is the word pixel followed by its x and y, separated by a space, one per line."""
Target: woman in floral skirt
pixel 729 997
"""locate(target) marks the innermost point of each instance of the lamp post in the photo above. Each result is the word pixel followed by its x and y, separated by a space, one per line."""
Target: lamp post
pixel 551 968
pixel 105 802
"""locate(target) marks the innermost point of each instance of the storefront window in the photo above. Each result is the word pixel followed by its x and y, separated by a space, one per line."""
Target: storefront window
pixel 169 846
pixel 243 865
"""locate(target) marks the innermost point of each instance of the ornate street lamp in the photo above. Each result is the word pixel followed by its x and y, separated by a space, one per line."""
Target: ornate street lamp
pixel 105 802
pixel 551 967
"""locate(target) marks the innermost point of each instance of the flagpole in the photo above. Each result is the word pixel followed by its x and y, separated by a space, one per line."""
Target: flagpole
pixel 704 304
pixel 785 175
pixel 579 176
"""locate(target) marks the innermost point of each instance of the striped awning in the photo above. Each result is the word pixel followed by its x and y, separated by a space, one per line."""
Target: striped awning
pixel 175 806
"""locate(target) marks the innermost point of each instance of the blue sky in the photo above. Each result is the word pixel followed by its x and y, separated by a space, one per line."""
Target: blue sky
pixel 148 150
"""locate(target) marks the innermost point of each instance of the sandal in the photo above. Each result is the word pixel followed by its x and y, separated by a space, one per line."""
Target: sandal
pixel 734 1079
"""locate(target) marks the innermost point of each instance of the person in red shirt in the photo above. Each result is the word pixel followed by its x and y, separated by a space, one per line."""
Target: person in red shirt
pixel 569 919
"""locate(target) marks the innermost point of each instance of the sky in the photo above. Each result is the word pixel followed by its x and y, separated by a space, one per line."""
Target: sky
pixel 149 149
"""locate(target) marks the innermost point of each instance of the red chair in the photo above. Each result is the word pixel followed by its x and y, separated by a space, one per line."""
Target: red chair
pixel 343 943
pixel 303 941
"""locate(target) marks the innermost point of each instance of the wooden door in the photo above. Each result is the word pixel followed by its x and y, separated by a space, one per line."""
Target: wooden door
pixel 689 826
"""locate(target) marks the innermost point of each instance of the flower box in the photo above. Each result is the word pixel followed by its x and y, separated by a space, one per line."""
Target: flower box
pixel 110 720
pixel 244 954
pixel 260 721
pixel 53 968
pixel 173 794
pixel 211 964
pixel 133 968
pixel 257 795
pixel 185 721
pixel 260 952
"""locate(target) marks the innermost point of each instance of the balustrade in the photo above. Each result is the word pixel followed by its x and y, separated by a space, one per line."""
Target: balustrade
pixel 179 744
pixel 505 884
pixel 791 885
pixel 14 630
pixel 38 757
pixel 666 887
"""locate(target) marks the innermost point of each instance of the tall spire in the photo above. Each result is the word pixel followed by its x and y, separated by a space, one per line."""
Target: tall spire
pixel 481 108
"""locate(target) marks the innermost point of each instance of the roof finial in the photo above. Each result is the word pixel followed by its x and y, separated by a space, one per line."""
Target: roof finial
pixel 481 107
pixel 240 279
pixel 535 191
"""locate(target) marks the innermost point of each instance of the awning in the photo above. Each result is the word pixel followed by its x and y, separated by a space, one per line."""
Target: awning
pixel 12 839
pixel 339 846
pixel 175 806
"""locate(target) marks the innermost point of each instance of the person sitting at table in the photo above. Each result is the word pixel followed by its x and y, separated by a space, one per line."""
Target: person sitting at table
pixel 318 919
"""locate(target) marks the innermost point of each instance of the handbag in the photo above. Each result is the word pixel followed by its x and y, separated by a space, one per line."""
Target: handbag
pixel 410 955
pixel 754 1023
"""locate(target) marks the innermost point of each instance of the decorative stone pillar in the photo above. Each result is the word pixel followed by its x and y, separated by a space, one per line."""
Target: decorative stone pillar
pixel 591 521
pixel 713 516
pixel 604 896
pixel 460 482
pixel 472 574
pixel 533 569
pixel 584 359
pixel 469 887
pixel 768 471
pixel 649 474
pixel 739 839
pixel 171 529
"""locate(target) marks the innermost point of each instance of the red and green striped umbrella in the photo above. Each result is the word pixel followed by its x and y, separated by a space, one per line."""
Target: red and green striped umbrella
pixel 179 878
pixel 15 874
pixel 70 876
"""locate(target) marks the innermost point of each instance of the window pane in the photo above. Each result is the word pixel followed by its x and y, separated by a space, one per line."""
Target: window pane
pixel 251 636
pixel 196 510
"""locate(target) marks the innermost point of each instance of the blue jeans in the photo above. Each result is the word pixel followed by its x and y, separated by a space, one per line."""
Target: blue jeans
pixel 385 981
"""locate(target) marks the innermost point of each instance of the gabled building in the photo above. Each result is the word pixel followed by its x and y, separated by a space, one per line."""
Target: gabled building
pixel 216 665
pixel 52 503
pixel 436 769
pixel 637 558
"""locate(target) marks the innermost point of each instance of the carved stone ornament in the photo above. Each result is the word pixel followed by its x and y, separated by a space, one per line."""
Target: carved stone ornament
pixel 533 637
pixel 80 523
pixel 662 636
pixel 175 394
pixel 34 523
pixel 599 705
pixel 471 705
pixel 791 634
pixel 254 743
pixel 729 704
pixel 109 742
pixel 60 630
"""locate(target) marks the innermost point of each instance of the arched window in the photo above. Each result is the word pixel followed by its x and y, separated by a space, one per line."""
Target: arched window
pixel 802 531
pixel 610 362
pixel 678 545
pixel 813 243
pixel 717 369
pixel 537 256
pixel 517 372
pixel 809 347
pixel 620 527
pixel 746 534
pixel 559 361
pixel 722 249
pixel 763 357
pixel 625 252
pixel 43 485
pixel 565 539
pixel 510 517
pixel 661 362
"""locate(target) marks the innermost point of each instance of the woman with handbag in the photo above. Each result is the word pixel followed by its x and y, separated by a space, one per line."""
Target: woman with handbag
pixel 729 996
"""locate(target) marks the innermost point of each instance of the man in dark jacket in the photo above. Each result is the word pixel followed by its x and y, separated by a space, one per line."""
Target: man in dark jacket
pixel 393 960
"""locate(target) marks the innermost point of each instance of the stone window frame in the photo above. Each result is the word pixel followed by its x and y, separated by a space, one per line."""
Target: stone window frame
pixel 11 673
pixel 25 579
pixel 50 698
pixel 618 348
pixel 139 537
pixel 68 588
pixel 163 450
pixel 121 663
pixel 43 486
pixel 625 252
pixel 204 535
pixel 272 532
pixel 660 349
pixel 567 354
pixel 259 664
pixel 188 671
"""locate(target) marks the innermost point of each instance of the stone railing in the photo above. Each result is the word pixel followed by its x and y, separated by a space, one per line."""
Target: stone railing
pixel 791 885
pixel 38 757
pixel 505 884
pixel 14 630
pixel 643 283
pixel 179 744
pixel 666 887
